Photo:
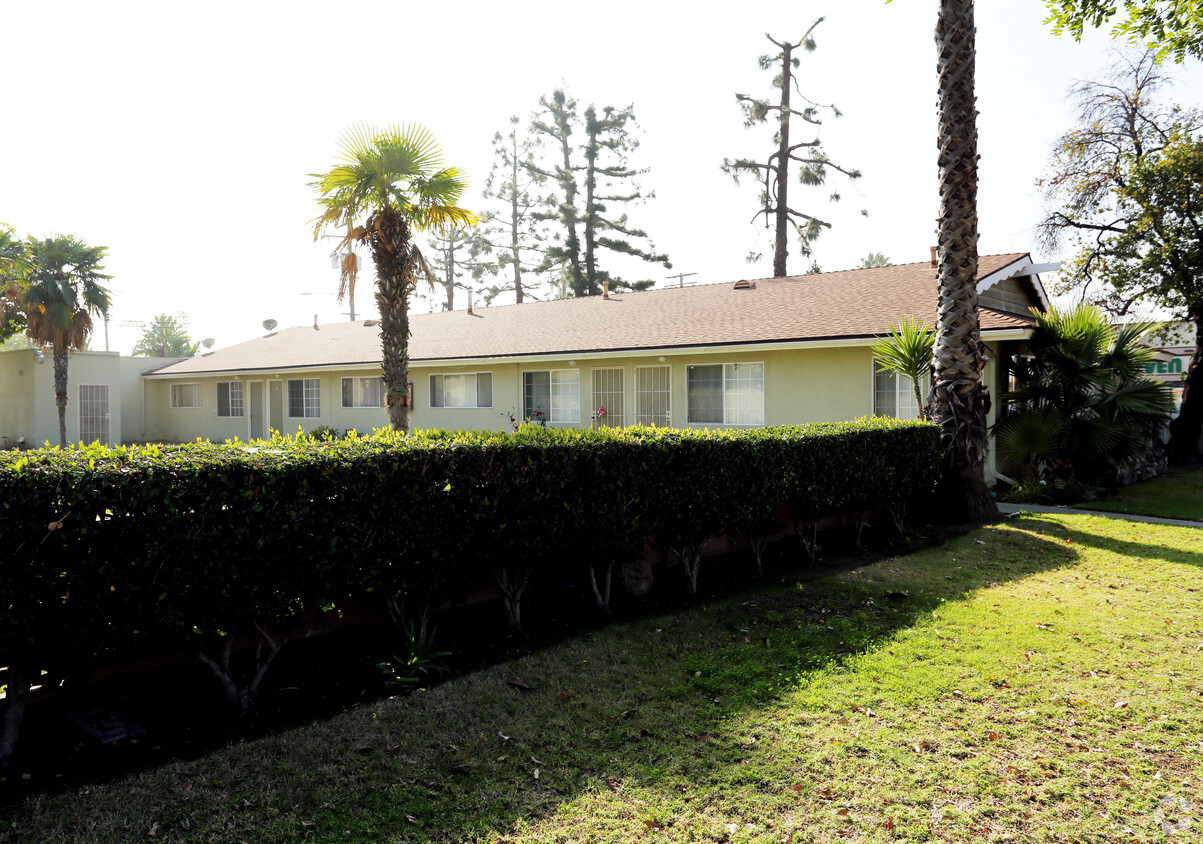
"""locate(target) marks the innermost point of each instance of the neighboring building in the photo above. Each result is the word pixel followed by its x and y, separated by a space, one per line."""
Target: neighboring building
pixel 750 353
pixel 1174 344
pixel 105 398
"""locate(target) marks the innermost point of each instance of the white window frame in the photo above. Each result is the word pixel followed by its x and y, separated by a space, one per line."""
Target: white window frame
pixel 176 405
pixel 572 414
pixel 306 404
pixel 903 394
pixel 230 385
pixel 728 410
pixel 475 389
pixel 357 391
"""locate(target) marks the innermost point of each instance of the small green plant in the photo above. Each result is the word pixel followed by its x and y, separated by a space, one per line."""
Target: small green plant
pixel 422 661
pixel 325 433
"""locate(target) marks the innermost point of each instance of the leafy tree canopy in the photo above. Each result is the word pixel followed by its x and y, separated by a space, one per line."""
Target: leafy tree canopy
pixel 166 337
pixel 1168 27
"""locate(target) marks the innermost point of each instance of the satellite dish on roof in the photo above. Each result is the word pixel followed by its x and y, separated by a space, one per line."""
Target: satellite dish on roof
pixel 269 325
pixel 208 342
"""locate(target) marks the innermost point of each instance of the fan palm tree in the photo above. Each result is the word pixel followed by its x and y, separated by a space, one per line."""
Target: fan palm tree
pixel 1084 405
pixel 12 264
pixel 907 350
pixel 61 291
pixel 389 184
pixel 959 399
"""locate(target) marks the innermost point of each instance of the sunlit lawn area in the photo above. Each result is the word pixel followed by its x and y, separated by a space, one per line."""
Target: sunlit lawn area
pixel 1178 495
pixel 1035 681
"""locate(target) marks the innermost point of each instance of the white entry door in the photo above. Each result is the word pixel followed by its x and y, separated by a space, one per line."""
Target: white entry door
pixel 94 413
pixel 653 396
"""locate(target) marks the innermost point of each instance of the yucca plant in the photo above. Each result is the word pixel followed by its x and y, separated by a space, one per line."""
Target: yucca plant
pixel 1083 407
pixel 907 350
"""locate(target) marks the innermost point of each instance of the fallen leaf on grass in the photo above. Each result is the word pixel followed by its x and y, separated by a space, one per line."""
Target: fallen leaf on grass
pixel 652 825
pixel 1120 704
pixel 825 793
pixel 888 823
pixel 518 683
pixel 991 735
pixel 843 813
pixel 412 819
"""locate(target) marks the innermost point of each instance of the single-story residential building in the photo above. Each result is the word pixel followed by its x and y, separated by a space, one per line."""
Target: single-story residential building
pixel 746 353
pixel 105 398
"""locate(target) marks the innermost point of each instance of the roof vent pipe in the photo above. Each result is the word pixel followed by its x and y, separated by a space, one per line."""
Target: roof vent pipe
pixel 315 328
pixel 605 288
pixel 469 301
pixel 934 261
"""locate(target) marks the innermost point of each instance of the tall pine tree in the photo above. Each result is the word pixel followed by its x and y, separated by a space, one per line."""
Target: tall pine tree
pixel 454 260
pixel 555 120
pixel 512 234
pixel 600 165
pixel 809 155
pixel 607 142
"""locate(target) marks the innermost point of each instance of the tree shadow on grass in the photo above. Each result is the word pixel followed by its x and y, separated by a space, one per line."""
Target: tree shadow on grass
pixel 642 702
pixel 1134 546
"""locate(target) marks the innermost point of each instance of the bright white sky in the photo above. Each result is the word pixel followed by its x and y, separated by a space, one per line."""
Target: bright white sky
pixel 181 135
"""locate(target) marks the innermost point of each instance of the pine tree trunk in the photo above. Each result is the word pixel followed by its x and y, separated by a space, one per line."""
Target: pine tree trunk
pixel 60 390
pixel 591 286
pixel 959 399
pixel 514 248
pixel 781 246
pixel 1186 429
pixel 568 183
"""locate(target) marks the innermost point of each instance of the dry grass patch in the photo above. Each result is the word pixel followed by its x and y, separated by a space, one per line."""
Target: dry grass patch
pixel 1034 681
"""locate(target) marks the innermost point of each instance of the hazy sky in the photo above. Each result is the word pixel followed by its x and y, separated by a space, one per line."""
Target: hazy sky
pixel 181 135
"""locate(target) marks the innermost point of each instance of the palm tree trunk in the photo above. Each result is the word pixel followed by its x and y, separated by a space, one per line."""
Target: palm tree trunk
pixel 959 399
pixel 396 270
pixel 60 390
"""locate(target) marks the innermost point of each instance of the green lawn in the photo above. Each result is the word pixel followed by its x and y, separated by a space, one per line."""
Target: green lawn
pixel 1034 681
pixel 1177 495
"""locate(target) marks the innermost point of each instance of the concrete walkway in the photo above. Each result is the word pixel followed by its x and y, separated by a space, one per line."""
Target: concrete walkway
pixel 1008 509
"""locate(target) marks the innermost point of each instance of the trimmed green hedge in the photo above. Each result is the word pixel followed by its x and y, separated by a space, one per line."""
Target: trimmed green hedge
pixel 192 546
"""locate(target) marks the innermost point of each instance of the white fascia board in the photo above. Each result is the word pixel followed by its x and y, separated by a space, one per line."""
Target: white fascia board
pixel 1021 268
pixel 675 351
pixel 265 372
pixel 692 351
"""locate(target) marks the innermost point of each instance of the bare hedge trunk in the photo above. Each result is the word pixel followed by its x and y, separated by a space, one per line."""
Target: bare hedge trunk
pixel 16 698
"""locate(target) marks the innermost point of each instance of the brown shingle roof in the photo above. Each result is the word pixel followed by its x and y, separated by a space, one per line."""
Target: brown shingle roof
pixel 840 305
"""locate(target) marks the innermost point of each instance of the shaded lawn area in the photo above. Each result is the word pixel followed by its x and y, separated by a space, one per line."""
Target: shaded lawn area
pixel 1038 680
pixel 1176 495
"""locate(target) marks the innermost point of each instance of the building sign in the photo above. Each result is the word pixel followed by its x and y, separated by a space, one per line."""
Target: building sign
pixel 1173 366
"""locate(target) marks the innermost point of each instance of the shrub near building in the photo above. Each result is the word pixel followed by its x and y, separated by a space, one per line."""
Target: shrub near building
pixel 203 547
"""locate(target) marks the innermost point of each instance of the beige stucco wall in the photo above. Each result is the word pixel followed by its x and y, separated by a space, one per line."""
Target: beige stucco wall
pixel 801 385
pixel 18 387
pixel 27 407
pixel 823 383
